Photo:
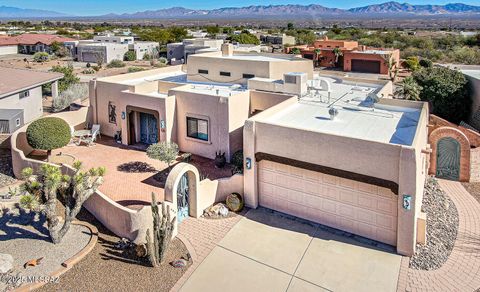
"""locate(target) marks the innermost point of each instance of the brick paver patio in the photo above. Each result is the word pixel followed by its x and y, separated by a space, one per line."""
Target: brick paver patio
pixel 461 272
pixel 201 235
pixel 130 173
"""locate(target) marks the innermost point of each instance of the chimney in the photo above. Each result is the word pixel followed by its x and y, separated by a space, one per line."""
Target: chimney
pixel 227 50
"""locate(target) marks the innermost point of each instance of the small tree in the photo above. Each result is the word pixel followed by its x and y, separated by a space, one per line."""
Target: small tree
pixel 165 151
pixel 48 134
pixel 295 51
pixel 130 56
pixel 100 59
pixel 338 53
pixel 409 89
pixel 69 77
pixel 41 191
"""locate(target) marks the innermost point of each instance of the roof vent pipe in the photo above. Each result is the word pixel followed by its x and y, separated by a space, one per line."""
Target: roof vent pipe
pixel 333 112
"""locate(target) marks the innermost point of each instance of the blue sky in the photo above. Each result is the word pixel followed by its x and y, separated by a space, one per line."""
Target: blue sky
pixel 99 7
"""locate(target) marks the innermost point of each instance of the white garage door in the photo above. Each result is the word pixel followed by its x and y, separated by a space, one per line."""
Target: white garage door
pixel 8 50
pixel 360 208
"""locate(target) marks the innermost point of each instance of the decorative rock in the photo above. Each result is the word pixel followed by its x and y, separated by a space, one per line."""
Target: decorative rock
pixel 217 210
pixel 6 263
pixel 235 202
pixel 181 263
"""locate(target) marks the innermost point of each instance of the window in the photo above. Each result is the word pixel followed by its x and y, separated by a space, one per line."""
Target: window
pixel 223 73
pixel 197 128
pixel 248 76
pixel 24 94
pixel 202 71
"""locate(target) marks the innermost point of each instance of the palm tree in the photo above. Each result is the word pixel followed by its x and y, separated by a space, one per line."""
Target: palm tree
pixel 409 89
pixel 317 54
pixel 338 53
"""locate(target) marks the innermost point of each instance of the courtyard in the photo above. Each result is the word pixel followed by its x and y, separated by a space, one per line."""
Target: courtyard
pixel 131 176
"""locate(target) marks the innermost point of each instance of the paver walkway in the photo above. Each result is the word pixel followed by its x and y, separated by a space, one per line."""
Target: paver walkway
pixel 461 272
pixel 201 235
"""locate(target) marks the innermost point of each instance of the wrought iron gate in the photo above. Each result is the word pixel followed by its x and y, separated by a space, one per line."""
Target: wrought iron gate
pixel 182 198
pixel 448 158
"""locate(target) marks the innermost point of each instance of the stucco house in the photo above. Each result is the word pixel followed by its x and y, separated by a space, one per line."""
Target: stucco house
pixel 21 97
pixel 29 43
pixel 353 57
pixel 338 152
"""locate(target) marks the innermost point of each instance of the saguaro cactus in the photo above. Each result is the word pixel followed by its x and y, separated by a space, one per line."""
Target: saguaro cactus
pixel 163 227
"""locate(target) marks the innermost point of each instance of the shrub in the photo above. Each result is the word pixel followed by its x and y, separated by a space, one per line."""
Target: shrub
pixel 426 63
pixel 446 90
pixel 412 63
pixel 88 71
pixel 76 91
pixel 147 57
pixel 48 133
pixel 409 89
pixel 165 151
pixel 116 64
pixel 163 60
pixel 96 68
pixel 88 65
pixel 135 69
pixel 41 57
pixel 130 56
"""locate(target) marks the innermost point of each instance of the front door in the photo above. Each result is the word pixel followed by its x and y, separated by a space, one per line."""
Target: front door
pixel 148 129
pixel 182 198
pixel 448 159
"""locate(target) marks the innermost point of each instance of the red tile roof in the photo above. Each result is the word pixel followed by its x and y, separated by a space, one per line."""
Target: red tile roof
pixel 32 39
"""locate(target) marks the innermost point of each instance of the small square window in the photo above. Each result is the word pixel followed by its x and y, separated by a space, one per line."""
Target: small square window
pixel 24 94
pixel 202 71
pixel 223 73
pixel 248 76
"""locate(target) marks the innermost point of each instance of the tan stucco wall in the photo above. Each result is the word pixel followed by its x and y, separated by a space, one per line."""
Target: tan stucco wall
pixel 31 105
pixel 260 100
pixel 403 165
pixel 237 67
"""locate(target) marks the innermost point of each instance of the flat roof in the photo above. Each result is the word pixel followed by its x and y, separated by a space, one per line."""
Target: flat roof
pixel 261 57
pixel 358 117
pixel 15 80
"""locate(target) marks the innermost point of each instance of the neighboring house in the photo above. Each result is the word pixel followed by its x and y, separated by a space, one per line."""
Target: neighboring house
pixel 330 151
pixel 177 53
pixel 110 47
pixel 280 39
pixel 21 96
pixel 29 43
pixel 473 75
pixel 350 56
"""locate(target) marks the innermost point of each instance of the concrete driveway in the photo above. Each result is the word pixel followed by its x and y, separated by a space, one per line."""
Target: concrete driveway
pixel 266 251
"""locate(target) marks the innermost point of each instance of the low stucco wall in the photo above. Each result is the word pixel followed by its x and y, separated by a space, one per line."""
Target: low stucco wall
pixel 475 165
pixel 122 221
pixel 211 192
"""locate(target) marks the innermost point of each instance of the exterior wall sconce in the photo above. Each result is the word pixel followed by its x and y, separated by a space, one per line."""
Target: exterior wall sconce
pixel 248 163
pixel 407 202
pixel 124 115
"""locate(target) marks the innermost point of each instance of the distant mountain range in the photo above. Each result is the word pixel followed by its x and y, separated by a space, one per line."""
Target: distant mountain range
pixel 268 11
pixel 14 12
pixel 291 11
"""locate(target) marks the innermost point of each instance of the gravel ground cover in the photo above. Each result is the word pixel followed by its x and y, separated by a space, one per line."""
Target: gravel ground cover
pixel 25 237
pixel 442 228
pixel 6 171
pixel 110 268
